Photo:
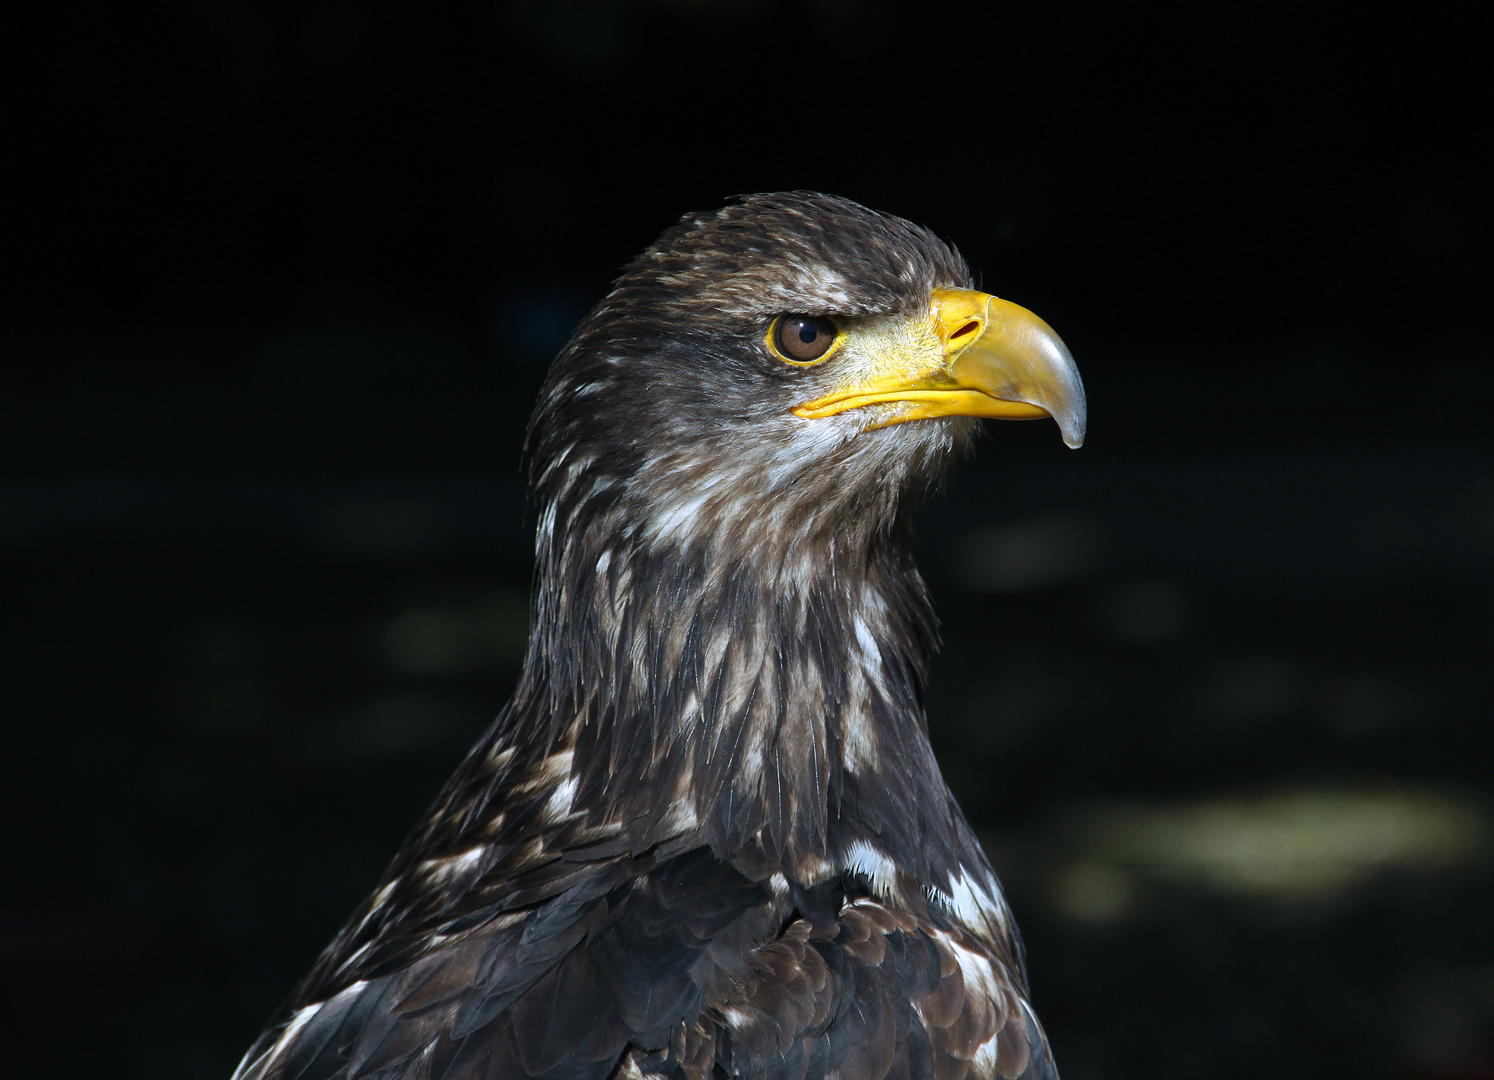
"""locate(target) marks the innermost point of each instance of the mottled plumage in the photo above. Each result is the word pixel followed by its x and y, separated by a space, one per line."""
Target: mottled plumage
pixel 707 837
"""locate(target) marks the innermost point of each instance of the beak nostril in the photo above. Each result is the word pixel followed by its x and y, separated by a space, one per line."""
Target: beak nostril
pixel 969 328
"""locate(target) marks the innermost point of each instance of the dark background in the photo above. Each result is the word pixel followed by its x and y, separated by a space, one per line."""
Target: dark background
pixel 282 281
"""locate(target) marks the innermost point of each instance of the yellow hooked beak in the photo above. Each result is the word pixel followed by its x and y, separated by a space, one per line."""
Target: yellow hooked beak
pixel 999 360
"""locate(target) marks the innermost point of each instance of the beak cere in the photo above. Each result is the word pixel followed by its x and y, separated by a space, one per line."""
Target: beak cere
pixel 999 360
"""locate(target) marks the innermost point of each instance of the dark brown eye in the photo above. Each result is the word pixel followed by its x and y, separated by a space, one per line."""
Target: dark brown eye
pixel 803 338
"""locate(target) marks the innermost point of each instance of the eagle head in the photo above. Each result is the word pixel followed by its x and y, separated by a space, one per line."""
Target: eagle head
pixel 752 376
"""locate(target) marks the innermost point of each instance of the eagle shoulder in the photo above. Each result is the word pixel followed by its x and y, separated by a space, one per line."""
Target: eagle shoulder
pixel 687 969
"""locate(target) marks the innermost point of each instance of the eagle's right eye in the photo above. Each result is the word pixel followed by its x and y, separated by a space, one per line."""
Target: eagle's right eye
pixel 802 339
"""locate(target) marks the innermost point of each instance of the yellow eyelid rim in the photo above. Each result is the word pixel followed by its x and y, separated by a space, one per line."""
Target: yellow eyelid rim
pixel 840 337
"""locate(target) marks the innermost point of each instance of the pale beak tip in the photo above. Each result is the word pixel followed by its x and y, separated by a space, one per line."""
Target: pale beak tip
pixel 1073 426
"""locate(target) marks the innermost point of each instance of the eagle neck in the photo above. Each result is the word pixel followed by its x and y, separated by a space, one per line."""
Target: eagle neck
pixel 765 698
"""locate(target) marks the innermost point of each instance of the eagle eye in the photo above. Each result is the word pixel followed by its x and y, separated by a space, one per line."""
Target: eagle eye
pixel 802 339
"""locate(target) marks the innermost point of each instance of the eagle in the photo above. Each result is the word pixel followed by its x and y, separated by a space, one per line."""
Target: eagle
pixel 707 838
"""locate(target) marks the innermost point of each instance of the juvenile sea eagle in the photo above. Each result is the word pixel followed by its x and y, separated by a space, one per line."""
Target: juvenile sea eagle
pixel 708 838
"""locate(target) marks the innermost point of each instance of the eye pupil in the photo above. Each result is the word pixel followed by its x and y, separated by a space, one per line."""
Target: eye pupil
pixel 804 338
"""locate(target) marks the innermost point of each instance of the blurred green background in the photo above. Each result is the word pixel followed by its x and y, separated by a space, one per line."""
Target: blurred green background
pixel 1215 690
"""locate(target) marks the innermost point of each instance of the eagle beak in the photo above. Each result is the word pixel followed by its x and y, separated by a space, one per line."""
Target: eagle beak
pixel 999 360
